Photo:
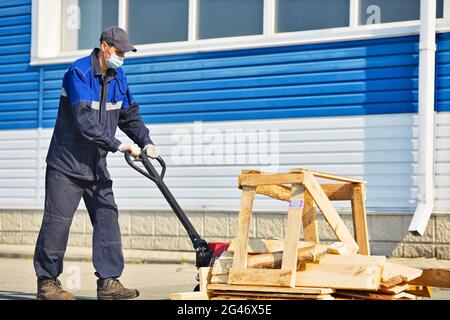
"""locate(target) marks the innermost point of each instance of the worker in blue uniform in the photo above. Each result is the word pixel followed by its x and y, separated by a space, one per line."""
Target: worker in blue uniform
pixel 94 100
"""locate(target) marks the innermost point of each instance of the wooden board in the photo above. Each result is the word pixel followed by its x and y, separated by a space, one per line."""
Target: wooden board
pixel 221 265
pixel 329 176
pixel 339 248
pixel 261 277
pixel 391 282
pixel 277 192
pixel 204 277
pixel 197 295
pixel 219 279
pixel 273 260
pixel 334 192
pixel 245 288
pixel 231 297
pixel 243 228
pixel 395 289
pixel 270 260
pixel 340 276
pixel 264 295
pixel 225 297
pixel 375 295
pixel 356 259
pixel 296 205
pixel 337 191
pixel 253 180
pixel 265 260
pixel 309 219
pixel 422 291
pixel 358 203
pixel 267 245
pixel 330 213
pixel 226 254
pixel 433 278
pixel 407 273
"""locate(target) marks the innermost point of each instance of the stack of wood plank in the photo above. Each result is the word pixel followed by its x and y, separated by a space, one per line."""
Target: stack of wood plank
pixel 289 269
pixel 323 273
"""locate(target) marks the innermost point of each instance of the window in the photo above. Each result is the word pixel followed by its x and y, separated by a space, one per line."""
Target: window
pixel 63 30
pixel 219 18
pixel 300 15
pixel 153 21
pixel 84 20
pixel 382 11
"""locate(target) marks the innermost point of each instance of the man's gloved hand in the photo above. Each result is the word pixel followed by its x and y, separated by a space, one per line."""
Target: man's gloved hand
pixel 131 149
pixel 151 151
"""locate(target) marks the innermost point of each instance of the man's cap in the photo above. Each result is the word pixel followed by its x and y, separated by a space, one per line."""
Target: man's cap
pixel 118 38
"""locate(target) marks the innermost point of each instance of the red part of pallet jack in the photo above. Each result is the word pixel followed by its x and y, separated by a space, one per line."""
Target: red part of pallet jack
pixel 218 248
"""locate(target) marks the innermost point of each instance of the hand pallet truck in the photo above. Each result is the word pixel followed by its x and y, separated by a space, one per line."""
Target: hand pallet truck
pixel 205 253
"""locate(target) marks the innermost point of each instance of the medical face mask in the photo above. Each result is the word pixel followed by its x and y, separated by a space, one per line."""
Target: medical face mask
pixel 114 61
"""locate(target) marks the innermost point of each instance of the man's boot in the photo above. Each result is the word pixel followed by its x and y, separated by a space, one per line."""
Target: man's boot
pixel 112 289
pixel 51 289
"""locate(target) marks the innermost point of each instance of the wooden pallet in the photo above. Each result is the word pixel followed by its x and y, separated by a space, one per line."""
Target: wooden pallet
pixel 292 269
pixel 300 188
pixel 330 276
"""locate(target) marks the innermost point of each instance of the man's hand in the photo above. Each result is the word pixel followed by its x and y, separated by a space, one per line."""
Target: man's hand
pixel 151 151
pixel 131 149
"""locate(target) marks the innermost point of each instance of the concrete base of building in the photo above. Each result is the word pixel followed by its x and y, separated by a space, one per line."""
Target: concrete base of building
pixel 161 230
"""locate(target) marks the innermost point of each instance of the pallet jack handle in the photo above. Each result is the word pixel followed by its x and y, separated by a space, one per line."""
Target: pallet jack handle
pixel 203 253
pixel 151 173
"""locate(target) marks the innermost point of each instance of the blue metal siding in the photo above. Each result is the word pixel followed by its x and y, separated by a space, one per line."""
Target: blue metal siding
pixel 19 83
pixel 375 76
pixel 443 72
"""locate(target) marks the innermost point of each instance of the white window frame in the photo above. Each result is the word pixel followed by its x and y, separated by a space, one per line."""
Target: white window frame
pixel 46 33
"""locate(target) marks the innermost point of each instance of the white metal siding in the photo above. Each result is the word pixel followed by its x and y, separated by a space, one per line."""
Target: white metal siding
pixel 442 166
pixel 380 148
pixel 18 167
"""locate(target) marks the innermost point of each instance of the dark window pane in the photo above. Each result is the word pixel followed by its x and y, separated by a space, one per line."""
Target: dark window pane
pixel 219 18
pixel 439 8
pixel 299 15
pixel 96 16
pixel 382 11
pixel 152 21
pixel 84 20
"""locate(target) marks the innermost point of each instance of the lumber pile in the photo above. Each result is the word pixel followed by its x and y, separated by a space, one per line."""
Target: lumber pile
pixel 292 269
pixel 320 275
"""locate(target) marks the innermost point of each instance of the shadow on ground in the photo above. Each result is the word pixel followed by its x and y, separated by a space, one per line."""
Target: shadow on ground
pixel 15 295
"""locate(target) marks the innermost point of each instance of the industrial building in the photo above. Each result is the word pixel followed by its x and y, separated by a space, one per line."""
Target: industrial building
pixel 353 87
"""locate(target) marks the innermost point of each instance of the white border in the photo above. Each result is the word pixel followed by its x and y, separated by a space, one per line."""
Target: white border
pixel 39 56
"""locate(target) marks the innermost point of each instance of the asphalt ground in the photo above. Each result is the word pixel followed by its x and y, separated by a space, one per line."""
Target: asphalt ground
pixel 155 281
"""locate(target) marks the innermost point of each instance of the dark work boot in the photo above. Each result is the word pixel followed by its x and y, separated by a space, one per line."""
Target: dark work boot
pixel 51 289
pixel 112 289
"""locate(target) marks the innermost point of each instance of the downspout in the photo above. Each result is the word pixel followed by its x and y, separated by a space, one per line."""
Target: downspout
pixel 425 175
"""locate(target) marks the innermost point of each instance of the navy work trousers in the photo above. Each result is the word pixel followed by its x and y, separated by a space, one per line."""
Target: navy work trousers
pixel 62 197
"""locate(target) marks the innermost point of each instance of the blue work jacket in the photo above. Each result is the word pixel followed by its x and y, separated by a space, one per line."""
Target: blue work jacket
pixel 90 109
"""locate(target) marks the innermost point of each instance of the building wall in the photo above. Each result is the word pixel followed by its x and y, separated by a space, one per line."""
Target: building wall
pixel 344 107
pixel 442 131
pixel 19 106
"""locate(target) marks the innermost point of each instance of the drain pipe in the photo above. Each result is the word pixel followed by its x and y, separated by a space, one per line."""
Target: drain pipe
pixel 425 175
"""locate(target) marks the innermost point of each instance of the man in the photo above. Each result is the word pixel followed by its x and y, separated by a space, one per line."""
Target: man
pixel 95 99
